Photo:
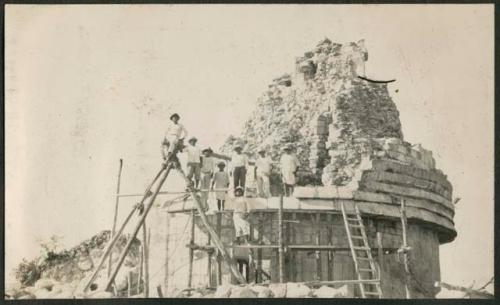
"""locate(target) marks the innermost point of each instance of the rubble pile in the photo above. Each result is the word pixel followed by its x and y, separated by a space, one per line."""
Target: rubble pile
pixel 274 290
pixel 64 273
pixel 325 111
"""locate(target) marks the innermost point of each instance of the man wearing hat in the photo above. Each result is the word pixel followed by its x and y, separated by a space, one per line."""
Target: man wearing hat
pixel 240 215
pixel 262 172
pixel 207 172
pixel 221 183
pixel 194 161
pixel 289 165
pixel 238 169
pixel 175 132
pixel 242 232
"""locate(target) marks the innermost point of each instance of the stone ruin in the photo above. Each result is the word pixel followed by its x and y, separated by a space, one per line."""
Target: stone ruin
pixel 333 118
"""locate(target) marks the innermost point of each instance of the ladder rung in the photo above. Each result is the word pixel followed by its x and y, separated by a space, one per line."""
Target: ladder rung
pixel 365 270
pixel 361 248
pixel 351 218
pixel 371 293
pixel 357 237
pixel 363 259
pixel 355 226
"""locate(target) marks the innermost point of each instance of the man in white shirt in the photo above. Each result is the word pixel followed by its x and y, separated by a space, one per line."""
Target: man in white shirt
pixel 207 172
pixel 289 165
pixel 175 132
pixel 194 161
pixel 240 215
pixel 238 169
pixel 262 172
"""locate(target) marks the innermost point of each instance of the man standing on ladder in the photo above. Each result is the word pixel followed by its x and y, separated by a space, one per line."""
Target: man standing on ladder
pixel 174 136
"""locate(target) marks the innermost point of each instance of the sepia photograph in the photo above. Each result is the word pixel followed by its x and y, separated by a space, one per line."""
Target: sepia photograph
pixel 249 151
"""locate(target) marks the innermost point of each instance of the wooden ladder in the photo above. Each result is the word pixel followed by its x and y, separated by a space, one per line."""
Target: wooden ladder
pixel 364 264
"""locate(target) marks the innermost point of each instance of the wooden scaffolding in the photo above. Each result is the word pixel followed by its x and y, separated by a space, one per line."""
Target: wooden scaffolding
pixel 283 247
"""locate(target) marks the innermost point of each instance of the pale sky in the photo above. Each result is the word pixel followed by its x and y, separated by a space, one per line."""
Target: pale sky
pixel 87 85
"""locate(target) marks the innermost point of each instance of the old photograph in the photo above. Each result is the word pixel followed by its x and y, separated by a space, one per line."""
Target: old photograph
pixel 249 151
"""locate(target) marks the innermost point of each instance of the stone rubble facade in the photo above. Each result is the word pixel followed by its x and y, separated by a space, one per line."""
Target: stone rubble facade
pixel 330 116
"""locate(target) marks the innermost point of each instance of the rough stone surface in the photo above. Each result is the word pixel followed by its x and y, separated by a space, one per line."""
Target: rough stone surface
pixel 223 291
pixel 329 292
pixel 63 274
pixel 261 291
pixel 242 292
pixel 321 109
pixel 295 290
pixel 278 290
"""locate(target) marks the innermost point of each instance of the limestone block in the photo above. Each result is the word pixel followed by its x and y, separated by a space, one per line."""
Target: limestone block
pixel 258 289
pixel 401 179
pixel 329 292
pixel 100 295
pixel 405 191
pixel 26 296
pixel 223 291
pixel 432 175
pixel 45 283
pixel 242 292
pixel 296 290
pixel 278 290
pixel 42 293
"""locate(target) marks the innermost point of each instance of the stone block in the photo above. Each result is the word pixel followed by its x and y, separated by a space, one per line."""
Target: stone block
pixel 329 292
pixel 223 291
pixel 45 283
pixel 296 290
pixel 242 292
pixel 278 290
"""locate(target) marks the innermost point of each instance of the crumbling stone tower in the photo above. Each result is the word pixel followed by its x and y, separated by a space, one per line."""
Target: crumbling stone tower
pixel 347 134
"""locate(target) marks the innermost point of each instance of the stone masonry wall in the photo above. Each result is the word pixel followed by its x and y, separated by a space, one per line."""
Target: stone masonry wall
pixel 321 110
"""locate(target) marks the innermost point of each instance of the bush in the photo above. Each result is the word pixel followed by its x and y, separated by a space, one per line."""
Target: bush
pixel 28 272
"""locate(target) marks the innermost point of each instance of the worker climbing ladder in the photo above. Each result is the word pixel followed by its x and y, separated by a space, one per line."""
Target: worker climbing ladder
pixel 364 264
pixel 171 163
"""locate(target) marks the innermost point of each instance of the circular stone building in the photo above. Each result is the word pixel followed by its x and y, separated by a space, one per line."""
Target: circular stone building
pixel 348 139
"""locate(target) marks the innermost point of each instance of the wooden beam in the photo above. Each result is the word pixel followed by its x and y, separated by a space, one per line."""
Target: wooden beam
pixel 293 257
pixel 287 247
pixel 259 251
pixel 405 252
pixel 219 267
pixel 158 290
pixel 209 264
pixel 115 216
pixel 380 251
pixel 191 252
pixel 145 259
pixel 167 237
pixel 281 249
pixel 319 265
pixel 120 230
pixel 330 232
pixel 139 224
pixel 215 237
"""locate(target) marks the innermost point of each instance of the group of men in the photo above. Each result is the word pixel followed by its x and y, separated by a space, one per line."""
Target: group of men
pixel 201 164
pixel 206 174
